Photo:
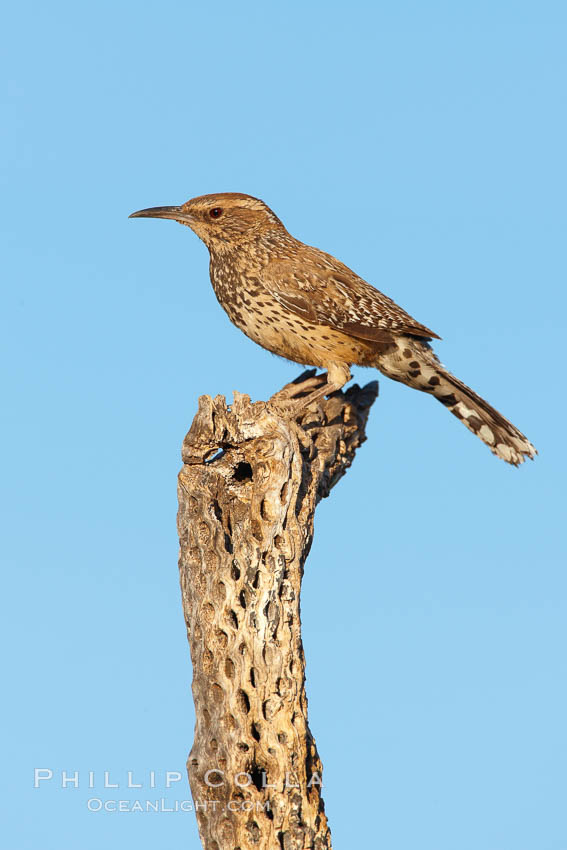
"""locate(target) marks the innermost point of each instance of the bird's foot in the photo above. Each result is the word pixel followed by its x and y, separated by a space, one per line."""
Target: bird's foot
pixel 300 387
pixel 295 398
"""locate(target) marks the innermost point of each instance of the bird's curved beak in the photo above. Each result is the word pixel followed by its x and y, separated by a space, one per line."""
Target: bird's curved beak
pixel 175 213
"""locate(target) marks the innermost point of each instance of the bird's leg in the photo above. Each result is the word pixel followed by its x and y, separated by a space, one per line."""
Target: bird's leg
pixel 308 380
pixel 337 375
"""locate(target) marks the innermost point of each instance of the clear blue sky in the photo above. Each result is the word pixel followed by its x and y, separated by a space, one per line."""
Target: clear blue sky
pixel 423 144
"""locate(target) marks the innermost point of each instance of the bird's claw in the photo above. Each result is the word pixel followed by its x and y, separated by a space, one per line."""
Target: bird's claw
pixel 306 392
pixel 301 387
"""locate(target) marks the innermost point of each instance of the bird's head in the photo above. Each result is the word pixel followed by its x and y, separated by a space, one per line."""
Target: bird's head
pixel 220 220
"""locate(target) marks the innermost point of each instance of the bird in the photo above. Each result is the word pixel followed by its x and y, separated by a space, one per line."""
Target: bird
pixel 308 307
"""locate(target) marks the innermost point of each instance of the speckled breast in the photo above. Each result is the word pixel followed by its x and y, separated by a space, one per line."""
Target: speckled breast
pixel 264 320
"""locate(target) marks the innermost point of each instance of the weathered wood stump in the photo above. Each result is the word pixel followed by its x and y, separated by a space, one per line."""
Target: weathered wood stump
pixel 253 474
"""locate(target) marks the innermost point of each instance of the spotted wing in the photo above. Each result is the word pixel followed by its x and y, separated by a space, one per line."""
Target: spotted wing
pixel 324 291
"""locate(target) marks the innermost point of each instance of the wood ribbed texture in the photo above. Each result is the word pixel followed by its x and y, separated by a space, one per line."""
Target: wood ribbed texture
pixel 251 479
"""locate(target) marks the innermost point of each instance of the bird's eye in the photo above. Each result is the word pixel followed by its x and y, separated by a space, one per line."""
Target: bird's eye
pixel 216 212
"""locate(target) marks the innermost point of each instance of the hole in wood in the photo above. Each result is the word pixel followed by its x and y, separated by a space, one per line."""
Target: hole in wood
pixel 218 514
pixel 254 831
pixel 244 701
pixel 243 471
pixel 257 776
pixel 217 693
pixel 217 456
pixel 255 732
pixel 228 544
pixel 217 510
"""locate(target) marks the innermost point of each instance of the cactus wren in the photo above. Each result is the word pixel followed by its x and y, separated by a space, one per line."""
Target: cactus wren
pixel 306 306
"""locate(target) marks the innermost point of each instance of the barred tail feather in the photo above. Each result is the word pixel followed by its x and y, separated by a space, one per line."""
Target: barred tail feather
pixel 414 363
pixel 502 438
